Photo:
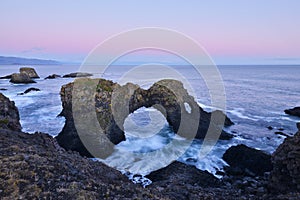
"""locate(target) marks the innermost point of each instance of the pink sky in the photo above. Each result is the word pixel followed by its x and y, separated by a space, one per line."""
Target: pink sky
pixel 229 31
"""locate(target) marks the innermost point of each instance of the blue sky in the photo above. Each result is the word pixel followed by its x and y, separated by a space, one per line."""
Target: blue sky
pixel 232 32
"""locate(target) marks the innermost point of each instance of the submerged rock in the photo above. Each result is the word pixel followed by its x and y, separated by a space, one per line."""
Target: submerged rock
pixel 294 111
pixel 29 90
pixel 113 103
pixel 285 176
pixel 77 74
pixel 244 160
pixel 21 78
pixel 53 76
pixel 29 71
pixel 281 133
pixel 9 114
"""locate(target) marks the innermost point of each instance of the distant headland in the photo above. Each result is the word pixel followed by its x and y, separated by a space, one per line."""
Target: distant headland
pixel 26 61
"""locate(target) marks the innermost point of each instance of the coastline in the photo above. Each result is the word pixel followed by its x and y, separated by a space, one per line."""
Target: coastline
pixel 55 172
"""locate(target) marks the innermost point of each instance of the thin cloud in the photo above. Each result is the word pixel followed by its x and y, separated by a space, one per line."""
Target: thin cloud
pixel 33 50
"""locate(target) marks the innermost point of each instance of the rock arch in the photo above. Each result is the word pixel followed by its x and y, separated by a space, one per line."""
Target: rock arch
pixel 112 103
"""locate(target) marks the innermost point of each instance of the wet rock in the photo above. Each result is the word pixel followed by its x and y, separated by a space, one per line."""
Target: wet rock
pixel 113 103
pixel 29 71
pixel 220 114
pixel 29 90
pixel 270 128
pixel 285 176
pixel 244 160
pixel 281 133
pixel 3 89
pixel 21 78
pixel 6 77
pixel 53 76
pixel 9 114
pixel 77 74
pixel 294 111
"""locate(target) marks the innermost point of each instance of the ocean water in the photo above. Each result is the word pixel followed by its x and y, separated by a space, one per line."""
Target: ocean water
pixel 256 97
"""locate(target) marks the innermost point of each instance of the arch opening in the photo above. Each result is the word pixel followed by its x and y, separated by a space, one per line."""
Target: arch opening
pixel 146 130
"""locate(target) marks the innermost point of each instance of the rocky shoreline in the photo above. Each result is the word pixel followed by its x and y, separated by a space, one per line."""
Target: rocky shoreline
pixel 34 166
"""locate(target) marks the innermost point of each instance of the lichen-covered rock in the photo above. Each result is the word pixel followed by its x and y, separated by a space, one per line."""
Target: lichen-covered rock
pixel 285 176
pixel 110 104
pixel 9 114
pixel 21 78
pixel 29 71
pixel 33 166
pixel 244 160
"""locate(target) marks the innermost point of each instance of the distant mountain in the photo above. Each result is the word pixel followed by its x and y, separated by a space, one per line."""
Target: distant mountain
pixel 26 61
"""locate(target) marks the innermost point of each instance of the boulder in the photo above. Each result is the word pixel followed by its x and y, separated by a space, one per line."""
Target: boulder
pixel 294 111
pixel 178 172
pixel 29 90
pixel 9 114
pixel 53 76
pixel 77 74
pixel 113 103
pixel 21 78
pixel 29 71
pixel 285 176
pixel 244 160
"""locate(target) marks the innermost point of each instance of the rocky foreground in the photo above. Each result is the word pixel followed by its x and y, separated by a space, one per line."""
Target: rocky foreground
pixel 34 166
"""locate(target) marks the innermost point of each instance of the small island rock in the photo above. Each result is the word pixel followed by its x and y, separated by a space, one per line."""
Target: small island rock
pixel 21 78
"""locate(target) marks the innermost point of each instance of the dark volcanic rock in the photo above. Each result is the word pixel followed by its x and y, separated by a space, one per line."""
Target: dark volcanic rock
pixel 3 89
pixel 244 160
pixel 285 176
pixel 21 78
pixel 113 103
pixel 9 114
pixel 53 76
pixel 77 74
pixel 29 90
pixel 178 172
pixel 33 166
pixel 29 71
pixel 294 111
